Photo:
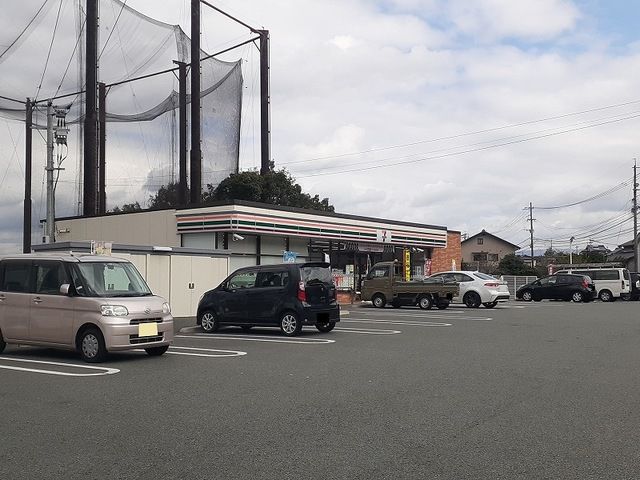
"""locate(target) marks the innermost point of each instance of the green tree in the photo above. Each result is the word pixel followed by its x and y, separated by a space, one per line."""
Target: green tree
pixel 166 197
pixel 276 187
pixel 127 208
pixel 512 264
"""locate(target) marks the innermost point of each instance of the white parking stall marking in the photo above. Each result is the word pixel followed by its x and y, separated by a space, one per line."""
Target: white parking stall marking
pixel 220 354
pixel 424 316
pixel 380 331
pixel 255 338
pixel 101 370
pixel 399 322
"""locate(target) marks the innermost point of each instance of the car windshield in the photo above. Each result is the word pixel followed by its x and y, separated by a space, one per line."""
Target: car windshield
pixel 316 274
pixel 108 279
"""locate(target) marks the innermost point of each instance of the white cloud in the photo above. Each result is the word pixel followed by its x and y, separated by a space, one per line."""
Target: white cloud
pixel 356 76
pixel 493 19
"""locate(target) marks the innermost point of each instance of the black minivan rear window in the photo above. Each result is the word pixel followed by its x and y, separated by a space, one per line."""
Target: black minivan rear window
pixel 311 274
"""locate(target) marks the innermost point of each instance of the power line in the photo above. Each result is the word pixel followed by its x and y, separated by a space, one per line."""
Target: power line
pixel 595 197
pixel 485 142
pixel 477 132
pixel 115 24
pixel 53 37
pixel 453 154
pixel 71 58
pixel 24 29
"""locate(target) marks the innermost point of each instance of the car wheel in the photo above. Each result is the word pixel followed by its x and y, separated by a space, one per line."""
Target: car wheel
pixel 290 324
pixel 156 351
pixel 425 302
pixel 3 344
pixel 442 304
pixel 325 327
pixel 577 297
pixel 472 300
pixel 605 296
pixel 490 304
pixel 379 301
pixel 527 296
pixel 209 322
pixel 91 346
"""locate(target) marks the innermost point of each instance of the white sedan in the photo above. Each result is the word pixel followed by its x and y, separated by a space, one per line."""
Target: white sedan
pixel 476 288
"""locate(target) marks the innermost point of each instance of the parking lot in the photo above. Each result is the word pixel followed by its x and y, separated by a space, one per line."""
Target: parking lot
pixel 525 390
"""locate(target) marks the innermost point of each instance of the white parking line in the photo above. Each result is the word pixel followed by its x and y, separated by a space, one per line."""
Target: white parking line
pixel 102 370
pixel 221 354
pixel 250 338
pixel 398 322
pixel 380 331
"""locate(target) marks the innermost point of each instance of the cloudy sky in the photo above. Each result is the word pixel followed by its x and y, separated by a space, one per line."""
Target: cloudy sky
pixel 446 112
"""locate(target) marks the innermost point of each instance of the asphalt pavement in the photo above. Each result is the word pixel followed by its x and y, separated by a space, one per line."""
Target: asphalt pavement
pixel 545 390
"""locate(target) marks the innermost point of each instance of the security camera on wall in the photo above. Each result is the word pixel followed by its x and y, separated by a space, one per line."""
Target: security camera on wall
pixel 236 237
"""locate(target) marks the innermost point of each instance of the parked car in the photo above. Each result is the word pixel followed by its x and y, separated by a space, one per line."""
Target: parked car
pixel 287 295
pixel 610 283
pixel 579 288
pixel 87 303
pixel 634 294
pixel 476 288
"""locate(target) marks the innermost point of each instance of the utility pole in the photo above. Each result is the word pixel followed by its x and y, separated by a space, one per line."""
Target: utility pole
pixel 183 198
pixel 102 149
pixel 26 231
pixel 265 100
pixel 90 201
pixel 636 260
pixel 196 153
pixel 49 233
pixel 571 250
pixel 531 231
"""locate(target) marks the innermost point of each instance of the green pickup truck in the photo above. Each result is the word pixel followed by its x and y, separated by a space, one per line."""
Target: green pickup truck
pixel 384 284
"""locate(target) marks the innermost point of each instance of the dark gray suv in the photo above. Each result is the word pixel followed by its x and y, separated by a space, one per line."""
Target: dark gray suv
pixel 579 288
pixel 288 296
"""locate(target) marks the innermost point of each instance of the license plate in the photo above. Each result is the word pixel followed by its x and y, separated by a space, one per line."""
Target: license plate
pixel 148 329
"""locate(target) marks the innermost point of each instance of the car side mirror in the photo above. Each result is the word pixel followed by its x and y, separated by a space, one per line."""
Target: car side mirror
pixel 64 288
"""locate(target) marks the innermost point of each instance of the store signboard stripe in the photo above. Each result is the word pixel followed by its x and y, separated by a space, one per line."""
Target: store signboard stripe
pixel 394 229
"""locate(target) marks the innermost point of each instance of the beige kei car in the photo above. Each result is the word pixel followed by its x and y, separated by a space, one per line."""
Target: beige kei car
pixel 88 303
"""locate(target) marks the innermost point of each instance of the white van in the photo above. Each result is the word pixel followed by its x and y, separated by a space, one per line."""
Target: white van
pixel 611 283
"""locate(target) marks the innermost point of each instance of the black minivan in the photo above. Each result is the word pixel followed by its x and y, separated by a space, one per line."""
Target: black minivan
pixel 287 295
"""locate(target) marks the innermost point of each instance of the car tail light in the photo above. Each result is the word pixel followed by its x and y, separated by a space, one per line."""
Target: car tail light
pixel 302 295
pixel 492 285
pixel 585 283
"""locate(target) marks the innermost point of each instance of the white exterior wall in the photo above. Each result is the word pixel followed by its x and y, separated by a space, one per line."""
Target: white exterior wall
pixel 142 228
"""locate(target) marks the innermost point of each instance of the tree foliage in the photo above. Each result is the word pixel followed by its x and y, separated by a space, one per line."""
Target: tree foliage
pixel 276 187
pixel 127 208
pixel 512 264
pixel 166 197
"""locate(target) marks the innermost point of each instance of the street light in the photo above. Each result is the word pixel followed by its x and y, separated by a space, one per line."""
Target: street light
pixel 571 250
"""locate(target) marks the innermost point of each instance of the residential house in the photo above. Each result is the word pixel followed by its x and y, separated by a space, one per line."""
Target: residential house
pixel 483 251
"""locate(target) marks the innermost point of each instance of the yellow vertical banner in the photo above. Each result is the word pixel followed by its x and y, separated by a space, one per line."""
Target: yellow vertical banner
pixel 407 264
